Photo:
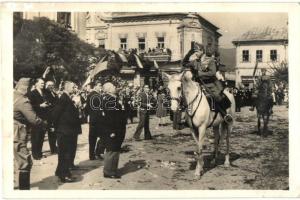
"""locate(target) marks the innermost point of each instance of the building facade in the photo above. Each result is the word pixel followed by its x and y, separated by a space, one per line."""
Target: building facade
pixel 145 31
pixel 265 48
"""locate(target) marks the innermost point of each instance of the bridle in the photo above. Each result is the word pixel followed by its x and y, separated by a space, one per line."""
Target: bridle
pixel 199 92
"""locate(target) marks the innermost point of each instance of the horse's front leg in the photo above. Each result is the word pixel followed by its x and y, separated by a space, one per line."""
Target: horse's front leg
pixel 258 125
pixel 200 162
pixel 227 128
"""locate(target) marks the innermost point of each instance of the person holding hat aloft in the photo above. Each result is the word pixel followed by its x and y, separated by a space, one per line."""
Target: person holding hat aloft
pixel 204 70
pixel 24 116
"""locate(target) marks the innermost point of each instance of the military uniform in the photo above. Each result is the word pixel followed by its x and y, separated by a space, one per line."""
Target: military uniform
pixel 23 116
pixel 263 85
pixel 204 70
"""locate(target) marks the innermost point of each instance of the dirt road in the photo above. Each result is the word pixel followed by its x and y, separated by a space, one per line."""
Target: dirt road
pixel 167 162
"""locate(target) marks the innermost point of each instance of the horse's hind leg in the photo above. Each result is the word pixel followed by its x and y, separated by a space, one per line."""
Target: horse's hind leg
pixel 266 121
pixel 226 129
pixel 200 162
pixel 216 131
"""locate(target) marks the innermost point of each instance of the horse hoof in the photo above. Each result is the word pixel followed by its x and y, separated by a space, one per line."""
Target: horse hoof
pixel 197 177
pixel 227 164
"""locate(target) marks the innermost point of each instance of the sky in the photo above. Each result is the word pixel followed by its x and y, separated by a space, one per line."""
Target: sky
pixel 233 25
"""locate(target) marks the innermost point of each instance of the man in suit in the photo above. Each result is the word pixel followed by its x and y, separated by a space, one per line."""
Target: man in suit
pixel 114 129
pixel 65 117
pixel 52 98
pixel 93 109
pixel 24 115
pixel 145 103
pixel 40 106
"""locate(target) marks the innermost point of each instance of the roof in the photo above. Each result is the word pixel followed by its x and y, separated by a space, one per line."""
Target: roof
pixel 117 16
pixel 263 34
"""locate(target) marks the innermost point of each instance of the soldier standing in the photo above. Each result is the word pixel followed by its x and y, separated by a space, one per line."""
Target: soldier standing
pixel 23 116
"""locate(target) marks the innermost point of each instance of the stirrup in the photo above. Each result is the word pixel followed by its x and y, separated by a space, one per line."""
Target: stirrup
pixel 228 119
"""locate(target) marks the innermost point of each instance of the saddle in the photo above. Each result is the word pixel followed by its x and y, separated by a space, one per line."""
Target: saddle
pixel 211 101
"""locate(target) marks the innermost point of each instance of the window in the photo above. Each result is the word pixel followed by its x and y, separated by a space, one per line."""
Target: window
pixel 142 44
pixel 123 42
pixel 161 42
pixel 273 55
pixel 102 43
pixel 259 55
pixel 64 18
pixel 245 55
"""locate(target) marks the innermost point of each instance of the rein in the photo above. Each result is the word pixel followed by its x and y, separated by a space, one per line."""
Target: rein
pixel 192 102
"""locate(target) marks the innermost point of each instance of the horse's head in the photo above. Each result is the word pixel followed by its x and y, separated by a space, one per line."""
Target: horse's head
pixel 175 88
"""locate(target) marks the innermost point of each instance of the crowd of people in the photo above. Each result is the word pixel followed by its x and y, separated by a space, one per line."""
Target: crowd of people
pixel 106 105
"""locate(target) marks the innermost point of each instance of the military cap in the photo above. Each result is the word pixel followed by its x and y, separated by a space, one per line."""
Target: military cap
pixel 25 82
pixel 198 46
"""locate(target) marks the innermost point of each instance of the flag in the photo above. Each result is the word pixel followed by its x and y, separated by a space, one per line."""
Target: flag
pixel 88 80
pixel 123 57
pixel 99 67
pixel 138 62
pixel 155 64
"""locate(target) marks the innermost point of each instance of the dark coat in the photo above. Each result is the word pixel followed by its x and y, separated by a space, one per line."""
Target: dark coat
pixel 144 100
pixel 36 99
pixel 114 122
pixel 52 99
pixel 65 116
pixel 94 107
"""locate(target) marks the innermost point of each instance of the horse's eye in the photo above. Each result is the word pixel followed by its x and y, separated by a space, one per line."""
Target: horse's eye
pixel 179 88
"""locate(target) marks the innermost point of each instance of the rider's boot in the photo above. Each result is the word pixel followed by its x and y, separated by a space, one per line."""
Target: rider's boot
pixel 222 106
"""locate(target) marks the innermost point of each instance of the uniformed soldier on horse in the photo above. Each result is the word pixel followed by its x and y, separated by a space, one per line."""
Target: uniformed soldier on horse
pixel 263 87
pixel 204 71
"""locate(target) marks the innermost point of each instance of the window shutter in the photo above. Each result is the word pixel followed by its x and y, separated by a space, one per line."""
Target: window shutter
pixel 278 58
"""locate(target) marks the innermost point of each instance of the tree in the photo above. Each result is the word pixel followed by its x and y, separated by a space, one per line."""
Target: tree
pixel 41 43
pixel 280 72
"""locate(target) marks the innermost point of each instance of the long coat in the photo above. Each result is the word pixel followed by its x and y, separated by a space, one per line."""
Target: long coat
pixel 36 99
pixel 65 116
pixel 114 123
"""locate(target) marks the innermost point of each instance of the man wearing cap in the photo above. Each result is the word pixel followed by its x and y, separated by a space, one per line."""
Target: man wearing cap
pixel 204 70
pixel 114 129
pixel 264 79
pixel 24 115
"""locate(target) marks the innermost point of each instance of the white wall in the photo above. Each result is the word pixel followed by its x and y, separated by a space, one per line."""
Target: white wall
pixel 247 68
pixel 150 28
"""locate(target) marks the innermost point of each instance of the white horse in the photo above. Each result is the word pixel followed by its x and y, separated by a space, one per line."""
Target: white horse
pixel 200 117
